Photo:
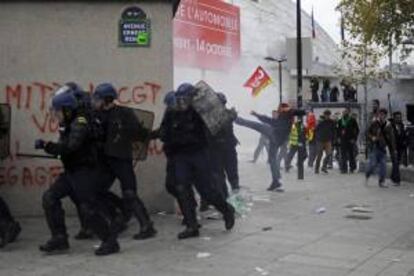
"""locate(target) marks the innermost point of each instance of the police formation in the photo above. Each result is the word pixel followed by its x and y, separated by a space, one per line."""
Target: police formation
pixel 95 146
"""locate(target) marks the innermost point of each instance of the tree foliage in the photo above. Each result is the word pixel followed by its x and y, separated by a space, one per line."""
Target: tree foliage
pixel 379 22
pixel 360 64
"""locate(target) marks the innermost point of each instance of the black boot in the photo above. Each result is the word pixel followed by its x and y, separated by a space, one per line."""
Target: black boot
pixel 107 248
pixel 204 206
pixel 147 229
pixel 229 218
pixel 189 233
pixel 146 233
pixel 14 230
pixel 3 236
pixel 55 244
pixel 84 234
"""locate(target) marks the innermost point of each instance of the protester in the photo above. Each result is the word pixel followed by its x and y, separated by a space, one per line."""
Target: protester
pixel 324 133
pixel 310 137
pixel 380 136
pixel 295 144
pixel 348 131
pixel 334 95
pixel 400 137
pixel 325 91
pixel 314 86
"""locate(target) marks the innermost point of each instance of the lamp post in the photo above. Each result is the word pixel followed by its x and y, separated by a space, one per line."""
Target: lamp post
pixel 279 61
pixel 299 86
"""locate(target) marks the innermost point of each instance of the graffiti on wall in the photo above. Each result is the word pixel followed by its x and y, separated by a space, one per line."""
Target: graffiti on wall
pixel 29 103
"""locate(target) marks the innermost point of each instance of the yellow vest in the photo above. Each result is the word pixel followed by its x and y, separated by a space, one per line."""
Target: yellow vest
pixel 294 136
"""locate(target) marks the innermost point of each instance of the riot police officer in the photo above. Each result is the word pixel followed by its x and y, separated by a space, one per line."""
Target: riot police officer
pixel 122 128
pixel 9 228
pixel 186 146
pixel 229 142
pixel 115 203
pixel 80 179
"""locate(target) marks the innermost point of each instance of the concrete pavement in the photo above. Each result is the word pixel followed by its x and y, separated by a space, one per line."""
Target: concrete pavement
pixel 282 235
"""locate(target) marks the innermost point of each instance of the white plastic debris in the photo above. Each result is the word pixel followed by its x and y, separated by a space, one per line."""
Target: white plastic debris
pixel 202 255
pixel 361 210
pixel 206 238
pixel 396 260
pixel 412 195
pixel 163 213
pixel 320 210
pixel 261 271
pixel 261 198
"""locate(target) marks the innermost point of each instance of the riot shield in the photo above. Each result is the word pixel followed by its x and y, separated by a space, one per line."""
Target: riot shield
pixel 140 148
pixel 5 128
pixel 209 107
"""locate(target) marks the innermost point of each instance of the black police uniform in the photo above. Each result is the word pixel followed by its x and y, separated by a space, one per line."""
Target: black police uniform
pixel 122 128
pixel 114 202
pixel 224 156
pixel 9 228
pixel 81 181
pixel 185 144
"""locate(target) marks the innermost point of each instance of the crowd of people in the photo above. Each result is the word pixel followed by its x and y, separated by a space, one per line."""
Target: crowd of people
pixel 328 139
pixel 288 134
pixel 332 94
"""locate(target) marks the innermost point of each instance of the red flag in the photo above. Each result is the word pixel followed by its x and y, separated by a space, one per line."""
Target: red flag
pixel 313 26
pixel 258 81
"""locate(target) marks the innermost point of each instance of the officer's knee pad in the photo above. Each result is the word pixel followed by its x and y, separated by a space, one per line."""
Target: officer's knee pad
pixel 48 200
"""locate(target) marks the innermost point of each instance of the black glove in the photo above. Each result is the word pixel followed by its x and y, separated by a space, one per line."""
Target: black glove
pixel 40 144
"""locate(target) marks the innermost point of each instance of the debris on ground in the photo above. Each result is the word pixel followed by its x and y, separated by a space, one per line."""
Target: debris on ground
pixel 206 238
pixel 361 210
pixel 162 213
pixel 268 228
pixel 258 198
pixel 261 271
pixel 320 210
pixel 202 255
pixel 412 195
pixel 213 216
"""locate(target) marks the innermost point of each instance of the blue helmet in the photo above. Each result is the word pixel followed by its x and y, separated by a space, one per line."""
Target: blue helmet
pixel 185 90
pixel 74 86
pixel 105 90
pixel 170 99
pixel 222 98
pixel 64 98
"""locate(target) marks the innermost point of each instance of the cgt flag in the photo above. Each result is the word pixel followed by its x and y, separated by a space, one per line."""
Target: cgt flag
pixel 258 81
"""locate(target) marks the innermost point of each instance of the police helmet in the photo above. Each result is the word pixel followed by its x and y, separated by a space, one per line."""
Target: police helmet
pixel 74 86
pixel 185 90
pixel 170 99
pixel 105 91
pixel 64 98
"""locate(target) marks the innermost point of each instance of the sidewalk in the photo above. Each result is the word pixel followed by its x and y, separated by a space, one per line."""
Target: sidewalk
pixel 282 235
